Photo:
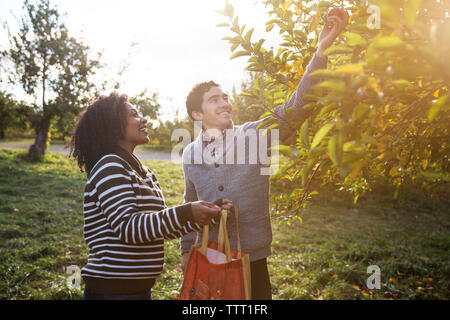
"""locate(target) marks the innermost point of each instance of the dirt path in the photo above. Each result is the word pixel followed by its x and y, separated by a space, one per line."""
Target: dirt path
pixel 140 153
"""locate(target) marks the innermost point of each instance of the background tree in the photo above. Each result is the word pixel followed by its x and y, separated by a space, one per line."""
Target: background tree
pixel 52 65
pixel 9 113
pixel 147 103
pixel 382 108
pixel 245 107
pixel 161 134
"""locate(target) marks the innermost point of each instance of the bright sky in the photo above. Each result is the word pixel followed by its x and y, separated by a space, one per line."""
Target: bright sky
pixel 177 43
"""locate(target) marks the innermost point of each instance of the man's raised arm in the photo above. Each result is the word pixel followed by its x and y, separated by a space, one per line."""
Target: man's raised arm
pixel 337 20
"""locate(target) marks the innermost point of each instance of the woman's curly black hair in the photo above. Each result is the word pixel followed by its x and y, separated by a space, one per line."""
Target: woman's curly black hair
pixel 99 129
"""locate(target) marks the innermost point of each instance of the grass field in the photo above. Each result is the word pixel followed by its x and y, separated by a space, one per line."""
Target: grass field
pixel 325 257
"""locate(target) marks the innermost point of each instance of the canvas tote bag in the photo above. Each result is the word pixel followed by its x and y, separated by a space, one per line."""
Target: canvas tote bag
pixel 214 272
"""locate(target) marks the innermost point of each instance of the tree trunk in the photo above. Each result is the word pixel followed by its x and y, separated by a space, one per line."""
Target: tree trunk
pixel 41 126
pixel 38 148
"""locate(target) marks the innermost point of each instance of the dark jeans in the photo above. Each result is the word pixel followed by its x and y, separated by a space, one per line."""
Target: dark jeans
pixel 261 287
pixel 88 295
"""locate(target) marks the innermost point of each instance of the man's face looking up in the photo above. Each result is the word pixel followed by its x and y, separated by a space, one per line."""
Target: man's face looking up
pixel 216 110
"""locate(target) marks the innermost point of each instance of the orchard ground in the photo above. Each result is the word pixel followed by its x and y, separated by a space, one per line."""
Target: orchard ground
pixel 324 257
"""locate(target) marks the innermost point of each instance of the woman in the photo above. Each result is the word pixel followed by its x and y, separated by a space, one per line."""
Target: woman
pixel 125 216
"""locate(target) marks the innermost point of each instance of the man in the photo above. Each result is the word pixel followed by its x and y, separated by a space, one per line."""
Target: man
pixel 209 175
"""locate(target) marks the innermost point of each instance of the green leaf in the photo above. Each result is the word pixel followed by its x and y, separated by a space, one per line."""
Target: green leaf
pixel 324 74
pixel 336 86
pixel 356 170
pixel 223 24
pixel 350 69
pixel 335 149
pixel 234 46
pixel 229 9
pixel 247 94
pixel 242 29
pixel 239 54
pixel 279 95
pixel 266 114
pixel 283 149
pixel 266 122
pixel 440 104
pixel 256 84
pixel 402 83
pixel 248 35
pixel 390 42
pixel 317 152
pixel 389 12
pixel 255 68
pixel 360 111
pixel 307 170
pixel 411 8
pixel 369 140
pixel 327 109
pixel 337 49
pixel 321 134
pixel 304 138
pixel 257 47
pixel 352 146
pixel 349 161
pixel 271 21
pixel 354 39
pixel 222 12
pixel 272 126
pixel 282 25
pixel 326 165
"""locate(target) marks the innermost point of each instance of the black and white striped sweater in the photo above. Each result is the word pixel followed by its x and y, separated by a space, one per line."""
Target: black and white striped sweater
pixel 125 224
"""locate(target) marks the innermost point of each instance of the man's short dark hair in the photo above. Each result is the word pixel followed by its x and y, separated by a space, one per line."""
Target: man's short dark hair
pixel 194 99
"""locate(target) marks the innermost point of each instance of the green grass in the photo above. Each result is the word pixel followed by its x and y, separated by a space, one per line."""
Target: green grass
pixel 324 257
pixel 30 140
pixel 327 256
pixel 151 147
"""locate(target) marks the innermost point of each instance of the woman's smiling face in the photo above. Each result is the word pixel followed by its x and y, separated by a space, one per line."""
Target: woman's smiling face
pixel 136 132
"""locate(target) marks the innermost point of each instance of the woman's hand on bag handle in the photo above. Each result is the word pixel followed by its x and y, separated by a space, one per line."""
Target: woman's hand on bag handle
pixel 203 212
pixel 227 205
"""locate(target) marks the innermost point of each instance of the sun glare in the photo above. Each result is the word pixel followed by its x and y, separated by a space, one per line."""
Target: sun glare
pixel 161 45
pixel 156 45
